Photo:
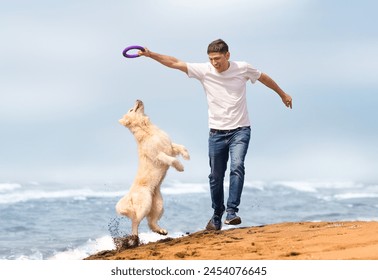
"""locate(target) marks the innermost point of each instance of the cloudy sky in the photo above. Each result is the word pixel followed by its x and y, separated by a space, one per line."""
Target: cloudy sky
pixel 64 84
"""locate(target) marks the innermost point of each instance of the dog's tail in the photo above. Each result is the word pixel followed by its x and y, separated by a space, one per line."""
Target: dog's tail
pixel 121 207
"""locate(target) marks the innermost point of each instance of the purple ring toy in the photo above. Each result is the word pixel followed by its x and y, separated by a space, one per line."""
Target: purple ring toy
pixel 132 48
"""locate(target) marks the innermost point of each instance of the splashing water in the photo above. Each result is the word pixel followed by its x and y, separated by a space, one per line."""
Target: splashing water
pixel 122 240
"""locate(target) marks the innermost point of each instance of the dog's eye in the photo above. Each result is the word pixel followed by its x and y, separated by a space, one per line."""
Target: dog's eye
pixel 131 110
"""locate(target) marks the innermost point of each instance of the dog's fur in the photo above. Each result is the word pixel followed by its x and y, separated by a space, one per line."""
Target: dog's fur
pixel 156 154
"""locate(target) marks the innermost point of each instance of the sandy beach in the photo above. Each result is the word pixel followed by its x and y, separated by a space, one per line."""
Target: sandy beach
pixel 285 241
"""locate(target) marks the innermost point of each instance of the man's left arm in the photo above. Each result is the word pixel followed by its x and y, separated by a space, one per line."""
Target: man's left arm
pixel 270 83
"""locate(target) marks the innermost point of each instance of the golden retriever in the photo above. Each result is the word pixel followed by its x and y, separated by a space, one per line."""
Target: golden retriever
pixel 156 154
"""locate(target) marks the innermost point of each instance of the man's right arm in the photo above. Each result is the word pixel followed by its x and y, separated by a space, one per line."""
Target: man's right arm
pixel 166 60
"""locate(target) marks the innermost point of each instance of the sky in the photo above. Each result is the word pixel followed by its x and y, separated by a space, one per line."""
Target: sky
pixel 64 84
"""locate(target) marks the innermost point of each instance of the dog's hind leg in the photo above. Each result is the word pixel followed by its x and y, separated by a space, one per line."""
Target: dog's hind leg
pixel 141 201
pixel 136 205
pixel 172 161
pixel 180 150
pixel 156 213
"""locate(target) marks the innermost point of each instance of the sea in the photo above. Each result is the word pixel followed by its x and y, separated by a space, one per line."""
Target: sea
pixel 55 221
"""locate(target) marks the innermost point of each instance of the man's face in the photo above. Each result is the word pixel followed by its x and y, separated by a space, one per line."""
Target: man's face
pixel 219 61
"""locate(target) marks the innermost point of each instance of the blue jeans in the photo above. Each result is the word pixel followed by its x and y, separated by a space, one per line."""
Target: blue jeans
pixel 222 145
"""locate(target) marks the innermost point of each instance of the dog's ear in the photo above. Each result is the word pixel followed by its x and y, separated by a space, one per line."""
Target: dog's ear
pixel 124 121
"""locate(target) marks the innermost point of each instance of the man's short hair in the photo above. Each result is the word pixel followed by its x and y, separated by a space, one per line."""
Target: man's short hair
pixel 217 46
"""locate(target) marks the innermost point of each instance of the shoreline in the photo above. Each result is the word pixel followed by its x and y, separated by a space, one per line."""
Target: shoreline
pixel 346 240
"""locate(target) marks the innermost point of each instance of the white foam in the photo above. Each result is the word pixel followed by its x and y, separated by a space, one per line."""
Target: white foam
pixel 259 185
pixel 77 194
pixel 352 195
pixel 85 250
pixel 104 243
pixel 177 188
pixel 14 193
pixel 306 186
pixel 184 188
pixel 7 187
pixel 35 256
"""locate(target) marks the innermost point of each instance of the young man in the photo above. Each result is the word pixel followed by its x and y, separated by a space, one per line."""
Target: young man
pixel 224 83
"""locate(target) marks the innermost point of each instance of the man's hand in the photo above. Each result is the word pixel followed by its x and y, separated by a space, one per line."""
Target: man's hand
pixel 146 52
pixel 287 100
pixel 268 81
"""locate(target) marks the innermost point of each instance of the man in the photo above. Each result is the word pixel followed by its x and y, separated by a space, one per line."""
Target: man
pixel 224 83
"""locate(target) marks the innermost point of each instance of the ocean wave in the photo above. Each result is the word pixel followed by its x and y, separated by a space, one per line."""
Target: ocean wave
pixel 353 195
pixel 6 187
pixel 85 250
pixel 258 185
pixel 34 256
pixel 77 194
pixel 105 243
pixel 184 188
pixel 313 187
pixel 14 192
pixel 177 188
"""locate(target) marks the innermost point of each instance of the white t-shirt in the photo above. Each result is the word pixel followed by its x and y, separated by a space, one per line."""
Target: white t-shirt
pixel 225 92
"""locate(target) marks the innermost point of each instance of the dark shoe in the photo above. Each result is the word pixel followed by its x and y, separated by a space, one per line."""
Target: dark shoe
pixel 232 219
pixel 215 223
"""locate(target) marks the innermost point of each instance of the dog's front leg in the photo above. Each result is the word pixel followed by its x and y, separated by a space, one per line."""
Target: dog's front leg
pixel 180 150
pixel 171 161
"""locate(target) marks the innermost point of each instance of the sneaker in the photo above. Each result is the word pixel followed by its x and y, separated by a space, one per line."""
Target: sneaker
pixel 215 223
pixel 232 219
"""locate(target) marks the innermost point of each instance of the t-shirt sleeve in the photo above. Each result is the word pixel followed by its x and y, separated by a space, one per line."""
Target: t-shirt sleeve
pixel 252 73
pixel 197 70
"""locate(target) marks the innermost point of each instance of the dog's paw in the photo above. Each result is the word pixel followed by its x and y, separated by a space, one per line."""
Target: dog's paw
pixel 161 231
pixel 179 167
pixel 185 155
pixel 126 242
